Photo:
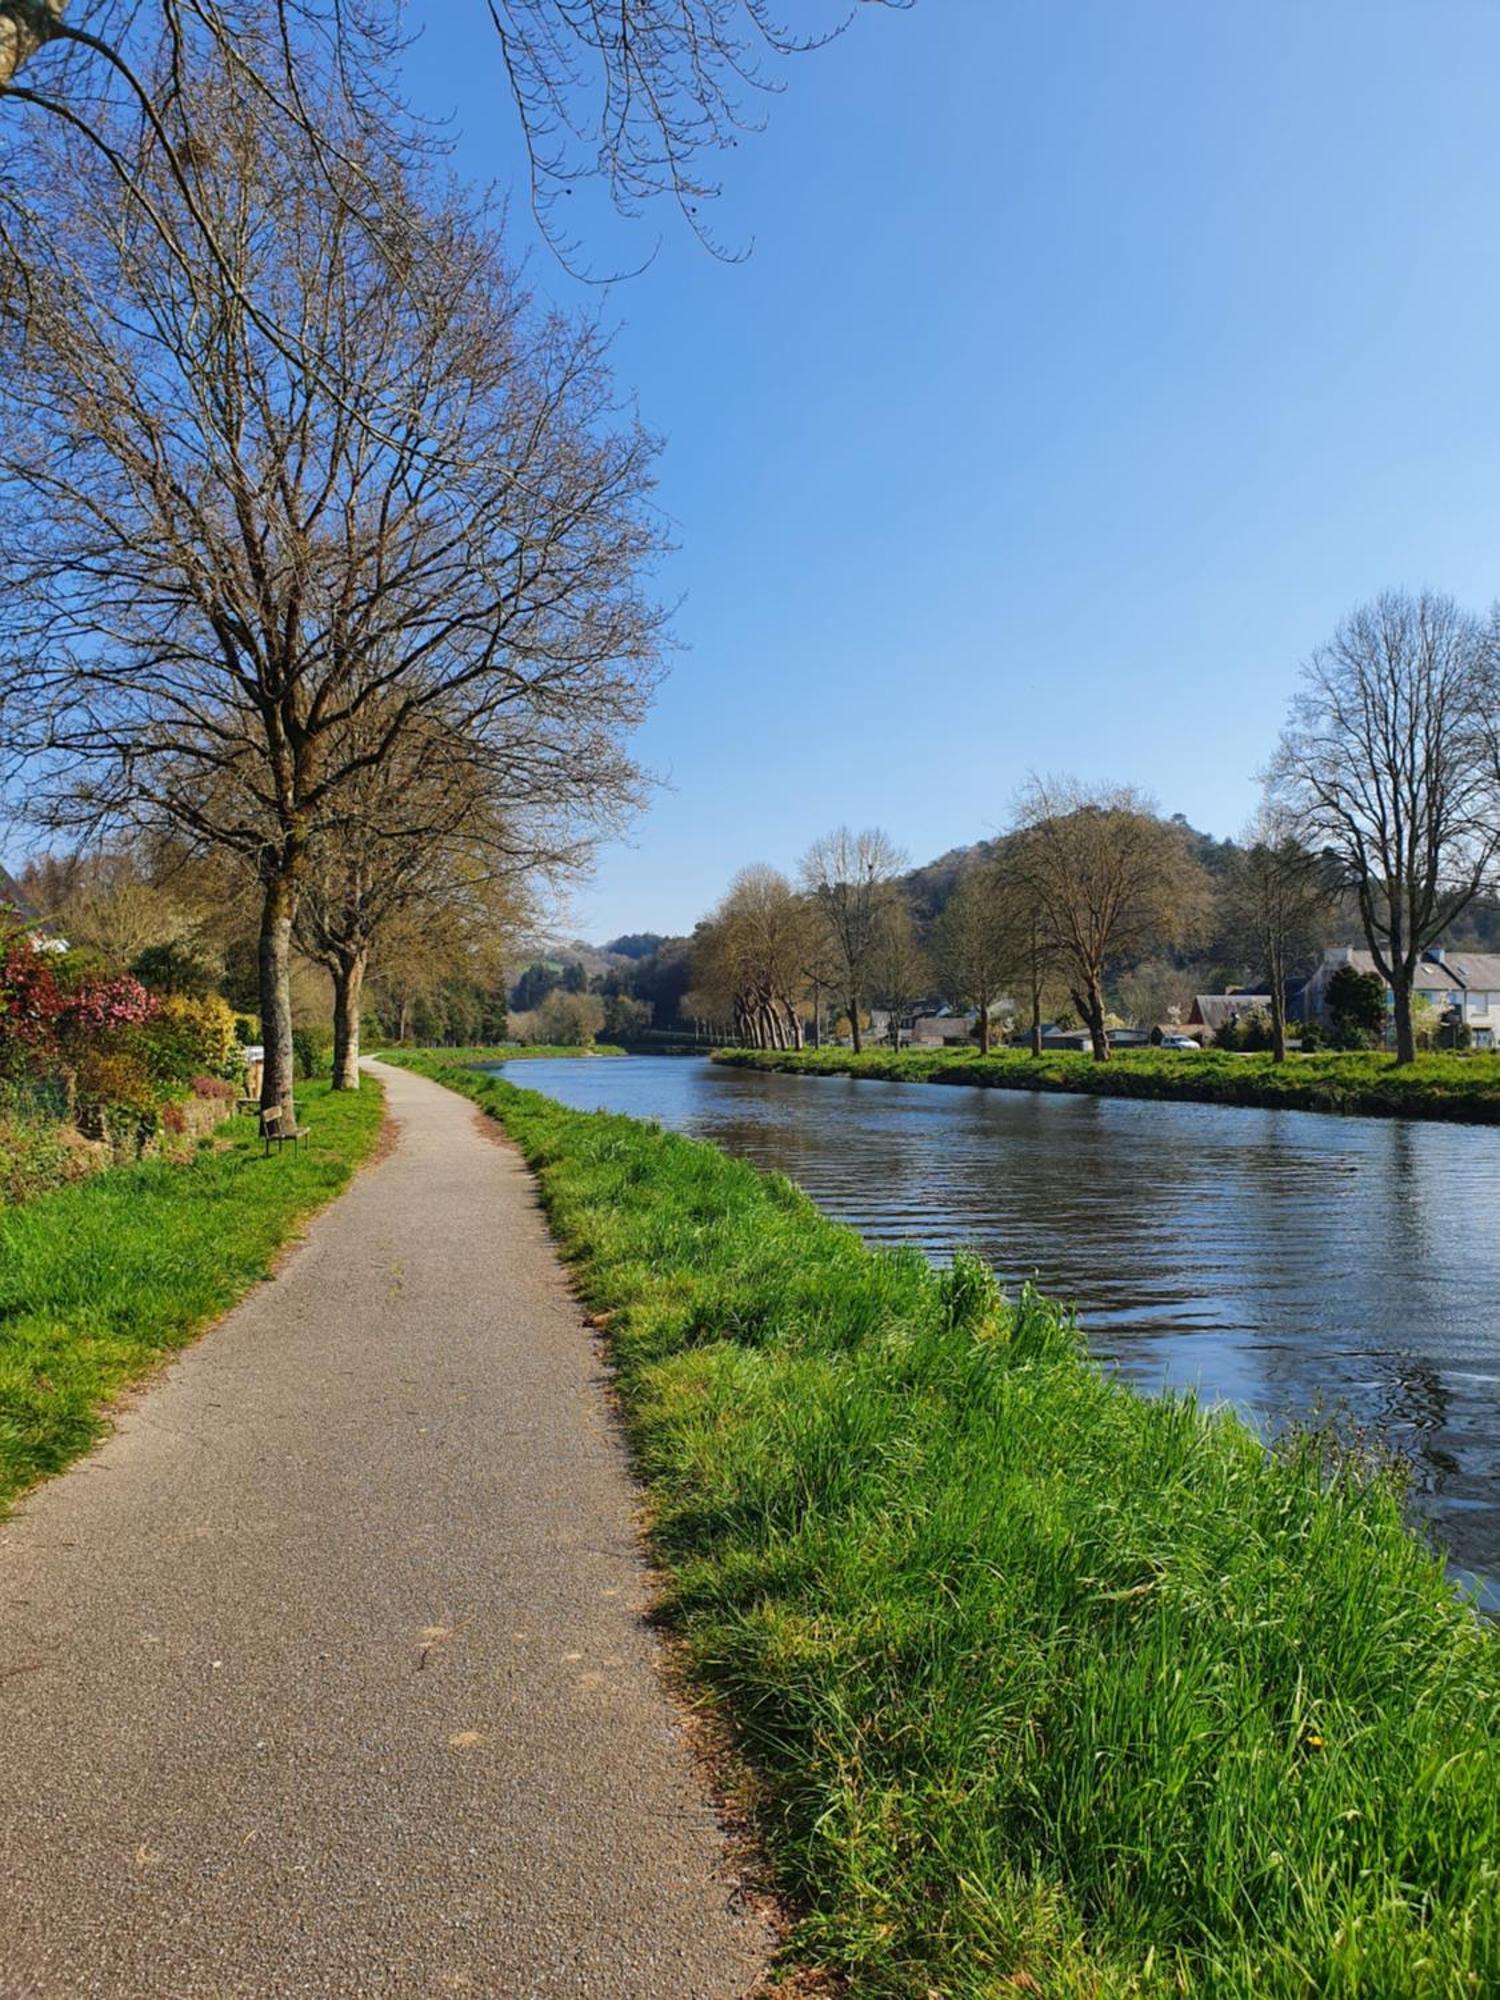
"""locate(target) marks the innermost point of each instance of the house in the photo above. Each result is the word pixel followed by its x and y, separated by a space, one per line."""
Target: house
pixel 943 1028
pixel 1214 1011
pixel 946 1027
pixel 1065 1041
pixel 1463 986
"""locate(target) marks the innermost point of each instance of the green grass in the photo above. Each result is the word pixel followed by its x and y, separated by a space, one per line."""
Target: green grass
pixel 1027 1674
pixel 1461 1088
pixel 100 1280
pixel 503 1052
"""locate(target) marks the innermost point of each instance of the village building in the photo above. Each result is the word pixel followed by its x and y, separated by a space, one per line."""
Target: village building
pixel 1462 988
pixel 1213 1012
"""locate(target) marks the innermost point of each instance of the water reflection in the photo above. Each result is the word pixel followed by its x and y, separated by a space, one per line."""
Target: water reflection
pixel 1279 1260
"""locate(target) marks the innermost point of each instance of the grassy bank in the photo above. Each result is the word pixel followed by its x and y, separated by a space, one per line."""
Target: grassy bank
pixel 1461 1088
pixel 1039 1685
pixel 501 1052
pixel 102 1279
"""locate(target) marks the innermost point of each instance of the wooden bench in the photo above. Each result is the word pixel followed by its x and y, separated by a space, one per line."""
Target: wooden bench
pixel 279 1129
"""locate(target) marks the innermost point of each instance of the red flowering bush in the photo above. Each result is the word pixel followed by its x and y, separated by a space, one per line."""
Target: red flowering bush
pixel 105 1007
pixel 31 1005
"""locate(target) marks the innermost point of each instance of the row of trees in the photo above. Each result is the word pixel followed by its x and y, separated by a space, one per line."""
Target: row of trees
pixel 1384 793
pixel 1085 880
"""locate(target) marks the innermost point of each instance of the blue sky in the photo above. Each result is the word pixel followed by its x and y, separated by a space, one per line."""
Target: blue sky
pixel 1093 357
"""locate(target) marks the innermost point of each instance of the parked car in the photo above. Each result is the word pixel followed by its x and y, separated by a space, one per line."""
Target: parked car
pixel 1179 1042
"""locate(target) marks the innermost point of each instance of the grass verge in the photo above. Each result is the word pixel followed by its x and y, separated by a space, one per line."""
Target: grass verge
pixel 1039 1685
pixel 102 1279
pixel 1463 1089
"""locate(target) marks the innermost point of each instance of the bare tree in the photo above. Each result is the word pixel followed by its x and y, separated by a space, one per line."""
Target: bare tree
pixel 640 95
pixel 216 572
pixel 1108 882
pixel 978 942
pixel 1279 905
pixel 1387 763
pixel 850 878
pixel 900 973
pixel 417 834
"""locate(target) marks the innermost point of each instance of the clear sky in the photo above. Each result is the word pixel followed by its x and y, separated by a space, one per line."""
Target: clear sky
pixel 1093 357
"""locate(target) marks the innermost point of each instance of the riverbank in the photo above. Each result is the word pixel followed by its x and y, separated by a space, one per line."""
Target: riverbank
pixel 101 1280
pixel 1028 1674
pixel 1463 1089
pixel 494 1052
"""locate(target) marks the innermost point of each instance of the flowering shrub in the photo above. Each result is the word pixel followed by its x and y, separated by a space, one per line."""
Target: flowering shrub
pixel 31 1002
pixel 104 1007
pixel 114 1055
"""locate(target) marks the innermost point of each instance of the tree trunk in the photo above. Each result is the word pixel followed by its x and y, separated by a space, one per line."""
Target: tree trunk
pixel 1406 1041
pixel 1278 1027
pixel 854 1022
pixel 1036 1001
pixel 984 1027
pixel 1093 1012
pixel 348 989
pixel 24 26
pixel 274 961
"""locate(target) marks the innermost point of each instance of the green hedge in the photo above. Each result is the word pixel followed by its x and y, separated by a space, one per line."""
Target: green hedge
pixel 1036 1684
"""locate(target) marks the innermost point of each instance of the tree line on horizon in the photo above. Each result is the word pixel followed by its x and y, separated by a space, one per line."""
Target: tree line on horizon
pixel 1380 819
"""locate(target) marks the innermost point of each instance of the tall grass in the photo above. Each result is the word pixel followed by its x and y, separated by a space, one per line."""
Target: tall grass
pixel 1460 1088
pixel 1037 1684
pixel 100 1280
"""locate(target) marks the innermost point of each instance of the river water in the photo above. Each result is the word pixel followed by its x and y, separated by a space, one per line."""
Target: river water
pixel 1282 1261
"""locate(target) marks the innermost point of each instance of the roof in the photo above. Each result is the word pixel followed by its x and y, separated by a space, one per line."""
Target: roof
pixel 1477 970
pixel 1214 1010
pixel 1471 971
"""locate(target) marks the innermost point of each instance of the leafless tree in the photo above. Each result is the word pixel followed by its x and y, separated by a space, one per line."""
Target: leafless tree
pixel 900 972
pixel 1387 763
pixel 1108 882
pixel 215 571
pixel 850 878
pixel 641 95
pixel 979 942
pixel 417 835
pixel 1279 906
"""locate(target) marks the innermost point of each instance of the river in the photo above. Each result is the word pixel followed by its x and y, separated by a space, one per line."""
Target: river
pixel 1283 1261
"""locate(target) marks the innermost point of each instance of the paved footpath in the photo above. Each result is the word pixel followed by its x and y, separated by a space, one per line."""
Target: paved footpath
pixel 326 1675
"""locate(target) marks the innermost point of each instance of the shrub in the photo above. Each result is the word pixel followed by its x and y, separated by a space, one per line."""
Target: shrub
pixel 189 1037
pixel 312 1052
pixel 1356 1008
pixel 214 1086
pixel 178 968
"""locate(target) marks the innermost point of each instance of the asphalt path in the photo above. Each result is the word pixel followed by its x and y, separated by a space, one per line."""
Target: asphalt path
pixel 328 1673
